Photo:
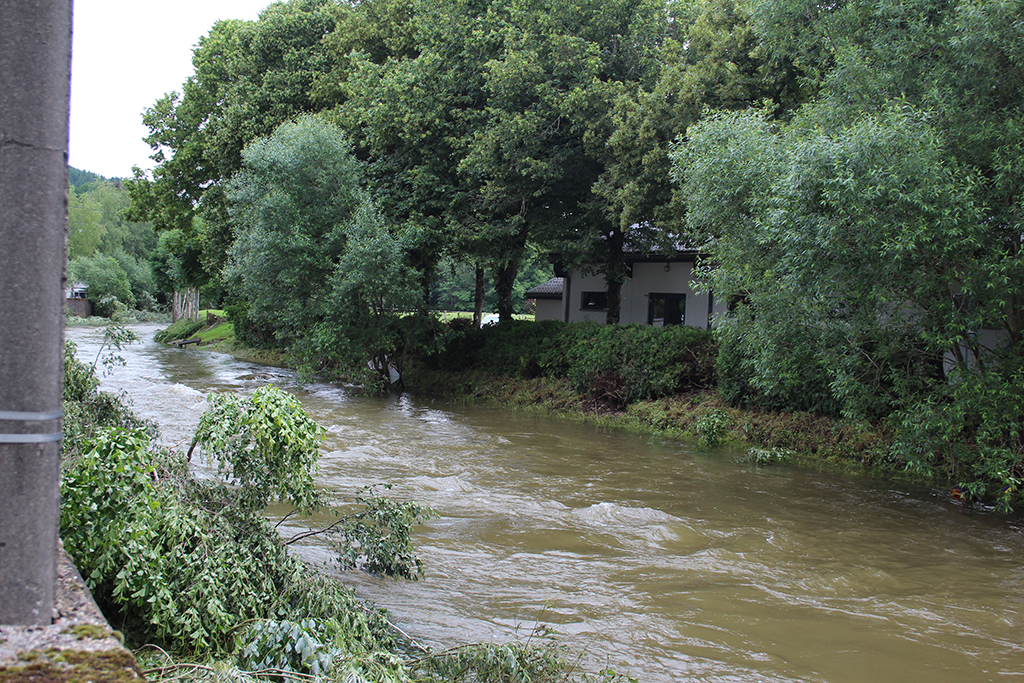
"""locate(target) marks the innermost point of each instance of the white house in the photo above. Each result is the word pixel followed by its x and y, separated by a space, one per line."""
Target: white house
pixel 658 292
pixel 547 298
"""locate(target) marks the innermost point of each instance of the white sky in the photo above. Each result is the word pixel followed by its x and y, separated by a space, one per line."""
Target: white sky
pixel 126 54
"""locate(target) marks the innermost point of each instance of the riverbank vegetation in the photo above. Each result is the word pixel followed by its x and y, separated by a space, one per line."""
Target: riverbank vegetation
pixel 849 172
pixel 658 381
pixel 203 586
pixel 106 251
pixel 655 380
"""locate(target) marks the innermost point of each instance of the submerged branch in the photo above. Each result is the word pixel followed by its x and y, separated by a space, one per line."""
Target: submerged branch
pixel 314 532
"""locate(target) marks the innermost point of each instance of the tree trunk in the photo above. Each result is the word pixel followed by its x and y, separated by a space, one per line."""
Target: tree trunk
pixel 425 282
pixel 614 276
pixel 191 309
pixel 504 279
pixel 1015 302
pixel 614 302
pixel 185 304
pixel 478 297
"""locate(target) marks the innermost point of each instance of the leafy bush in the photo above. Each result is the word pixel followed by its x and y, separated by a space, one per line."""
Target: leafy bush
pixel 650 361
pixel 247 332
pixel 172 558
pixel 536 660
pixel 628 363
pixel 288 646
pixel 161 567
pixel 767 456
pixel 970 430
pixel 711 426
pixel 520 348
pixel 754 371
pixel 378 537
pixel 182 562
pixel 107 280
pixel 264 443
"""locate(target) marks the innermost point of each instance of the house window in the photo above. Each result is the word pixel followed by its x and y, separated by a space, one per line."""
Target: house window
pixel 666 309
pixel 594 301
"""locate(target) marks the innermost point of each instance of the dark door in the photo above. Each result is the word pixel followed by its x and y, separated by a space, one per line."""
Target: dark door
pixel 666 309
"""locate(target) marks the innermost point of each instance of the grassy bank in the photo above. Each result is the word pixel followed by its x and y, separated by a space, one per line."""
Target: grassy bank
pixel 698 417
pixel 210 327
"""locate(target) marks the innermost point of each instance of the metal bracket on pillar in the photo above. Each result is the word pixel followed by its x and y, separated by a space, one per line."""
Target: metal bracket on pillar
pixel 29 437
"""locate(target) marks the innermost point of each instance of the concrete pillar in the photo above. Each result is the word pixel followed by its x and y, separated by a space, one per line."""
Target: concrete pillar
pixel 35 55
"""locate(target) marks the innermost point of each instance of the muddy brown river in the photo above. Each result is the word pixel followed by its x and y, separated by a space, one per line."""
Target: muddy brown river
pixel 647 555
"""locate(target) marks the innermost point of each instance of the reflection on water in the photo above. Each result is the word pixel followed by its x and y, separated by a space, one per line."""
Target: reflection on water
pixel 667 563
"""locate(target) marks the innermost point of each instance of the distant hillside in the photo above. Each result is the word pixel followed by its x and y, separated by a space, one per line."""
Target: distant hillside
pixel 83 181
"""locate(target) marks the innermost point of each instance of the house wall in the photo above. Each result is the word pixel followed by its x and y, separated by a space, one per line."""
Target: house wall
pixel 581 283
pixel 548 309
pixel 989 339
pixel 647 278
pixel 80 307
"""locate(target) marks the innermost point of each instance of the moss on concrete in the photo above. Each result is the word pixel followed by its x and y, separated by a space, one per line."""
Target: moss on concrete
pixel 82 631
pixel 73 666
pixel 78 646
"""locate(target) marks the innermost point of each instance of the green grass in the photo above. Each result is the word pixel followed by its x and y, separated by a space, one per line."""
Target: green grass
pixel 185 329
pixel 448 316
pixel 221 331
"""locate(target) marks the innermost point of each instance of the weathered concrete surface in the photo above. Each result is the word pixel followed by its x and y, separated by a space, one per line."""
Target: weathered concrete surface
pixel 78 646
pixel 35 55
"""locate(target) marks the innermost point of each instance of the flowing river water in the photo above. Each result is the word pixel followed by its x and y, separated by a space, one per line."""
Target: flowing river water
pixel 656 559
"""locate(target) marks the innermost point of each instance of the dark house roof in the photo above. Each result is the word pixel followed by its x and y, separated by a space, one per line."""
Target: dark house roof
pixel 552 289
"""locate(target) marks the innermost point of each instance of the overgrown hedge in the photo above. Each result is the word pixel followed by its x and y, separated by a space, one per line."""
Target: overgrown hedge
pixel 614 364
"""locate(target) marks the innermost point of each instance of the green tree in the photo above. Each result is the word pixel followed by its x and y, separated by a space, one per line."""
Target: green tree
pixel 85 229
pixel 108 282
pixel 97 226
pixel 294 204
pixel 555 70
pixel 844 246
pixel 372 288
pixel 83 181
pixel 486 137
pixel 249 78
pixel 135 239
pixel 409 108
pixel 266 445
pixel 873 243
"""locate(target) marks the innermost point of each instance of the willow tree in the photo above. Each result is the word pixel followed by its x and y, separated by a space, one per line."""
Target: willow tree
pixel 873 244
pixel 314 265
pixel 291 204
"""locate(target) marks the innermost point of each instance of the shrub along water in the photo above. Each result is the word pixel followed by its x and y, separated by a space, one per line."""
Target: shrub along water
pixel 965 433
pixel 685 381
pixel 612 365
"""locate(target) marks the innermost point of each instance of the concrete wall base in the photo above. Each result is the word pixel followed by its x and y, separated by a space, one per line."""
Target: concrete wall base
pixel 79 645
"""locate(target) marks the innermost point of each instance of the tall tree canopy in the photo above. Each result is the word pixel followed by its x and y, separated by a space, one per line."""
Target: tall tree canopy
pixel 250 77
pixel 872 237
pixel 490 127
